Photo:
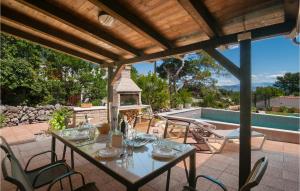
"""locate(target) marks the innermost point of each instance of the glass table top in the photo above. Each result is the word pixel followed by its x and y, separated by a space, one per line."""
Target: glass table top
pixel 137 166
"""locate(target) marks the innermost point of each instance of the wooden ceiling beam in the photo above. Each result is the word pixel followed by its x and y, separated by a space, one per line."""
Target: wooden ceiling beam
pixel 264 32
pixel 224 61
pixel 202 16
pixel 47 43
pixel 79 24
pixel 22 19
pixel 121 13
pixel 291 9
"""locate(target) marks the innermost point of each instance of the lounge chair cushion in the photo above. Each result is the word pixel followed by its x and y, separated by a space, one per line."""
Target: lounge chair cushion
pixel 234 133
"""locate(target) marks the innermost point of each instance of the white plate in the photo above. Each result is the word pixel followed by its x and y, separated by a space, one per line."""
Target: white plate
pixel 149 137
pixel 77 137
pixel 164 153
pixel 108 152
pixel 137 142
pixel 75 134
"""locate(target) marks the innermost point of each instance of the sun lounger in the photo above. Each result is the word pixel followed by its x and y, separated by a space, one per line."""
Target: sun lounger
pixel 205 133
pixel 208 138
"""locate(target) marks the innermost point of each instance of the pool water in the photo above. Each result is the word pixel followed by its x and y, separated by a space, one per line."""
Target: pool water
pixel 262 120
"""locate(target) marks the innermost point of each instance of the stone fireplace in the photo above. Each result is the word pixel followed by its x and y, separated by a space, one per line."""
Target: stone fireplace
pixel 127 95
pixel 129 99
pixel 125 90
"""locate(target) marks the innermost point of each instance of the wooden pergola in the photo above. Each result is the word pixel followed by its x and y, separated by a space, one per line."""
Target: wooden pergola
pixel 147 30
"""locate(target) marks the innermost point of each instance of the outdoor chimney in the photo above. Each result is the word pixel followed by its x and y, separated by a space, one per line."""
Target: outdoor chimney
pixel 125 90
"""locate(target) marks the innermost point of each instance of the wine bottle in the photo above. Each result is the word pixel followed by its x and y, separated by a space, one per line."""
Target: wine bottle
pixel 123 128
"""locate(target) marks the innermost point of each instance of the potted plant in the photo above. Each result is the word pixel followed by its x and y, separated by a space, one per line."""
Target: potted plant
pixel 178 102
pixel 188 103
pixel 86 105
pixel 60 119
pixel 186 97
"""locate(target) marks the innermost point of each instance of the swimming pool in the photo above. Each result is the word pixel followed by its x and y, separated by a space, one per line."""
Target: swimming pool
pixel 290 123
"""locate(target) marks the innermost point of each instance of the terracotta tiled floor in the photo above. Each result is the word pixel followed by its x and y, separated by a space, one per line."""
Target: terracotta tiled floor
pixel 282 172
pixel 23 133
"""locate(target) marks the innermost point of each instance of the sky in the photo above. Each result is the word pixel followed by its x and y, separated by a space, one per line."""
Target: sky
pixel 270 58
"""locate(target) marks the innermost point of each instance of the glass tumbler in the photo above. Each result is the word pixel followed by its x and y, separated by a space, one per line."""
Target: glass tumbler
pixel 92 132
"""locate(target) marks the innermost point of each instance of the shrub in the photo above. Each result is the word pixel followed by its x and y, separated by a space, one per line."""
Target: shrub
pixel 283 109
pixel 96 102
pixel 59 119
pixel 177 99
pixel 2 120
pixel 292 110
pixel 186 96
pixel 269 108
pixel 155 91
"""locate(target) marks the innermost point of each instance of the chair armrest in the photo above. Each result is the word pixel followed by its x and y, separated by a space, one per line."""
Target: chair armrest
pixel 215 181
pixel 28 162
pixel 69 174
pixel 44 170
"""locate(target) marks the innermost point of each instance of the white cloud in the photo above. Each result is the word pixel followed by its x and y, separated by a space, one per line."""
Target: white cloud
pixel 227 81
pixel 266 77
pixel 256 78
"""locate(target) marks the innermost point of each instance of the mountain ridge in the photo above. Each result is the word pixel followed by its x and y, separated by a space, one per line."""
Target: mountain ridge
pixel 236 87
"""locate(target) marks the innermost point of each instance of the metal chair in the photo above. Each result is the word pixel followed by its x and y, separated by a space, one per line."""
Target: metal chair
pixel 146 114
pixel 253 179
pixel 37 177
pixel 84 187
pixel 16 175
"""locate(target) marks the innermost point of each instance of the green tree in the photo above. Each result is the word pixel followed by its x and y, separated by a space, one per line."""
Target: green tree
pixel 134 74
pixel 265 94
pixel 155 91
pixel 233 96
pixel 289 83
pixel 191 72
pixel 31 74
pixel 20 80
pixel 210 97
pixel 78 77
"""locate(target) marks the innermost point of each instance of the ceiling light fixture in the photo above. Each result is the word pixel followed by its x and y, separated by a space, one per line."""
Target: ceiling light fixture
pixel 105 19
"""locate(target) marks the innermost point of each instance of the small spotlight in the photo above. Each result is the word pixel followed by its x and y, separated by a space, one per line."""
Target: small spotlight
pixel 105 19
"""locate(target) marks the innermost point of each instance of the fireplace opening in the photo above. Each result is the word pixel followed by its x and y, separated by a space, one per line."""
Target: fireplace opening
pixel 129 99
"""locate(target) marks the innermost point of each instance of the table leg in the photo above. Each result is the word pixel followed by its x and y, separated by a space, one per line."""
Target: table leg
pixel 53 144
pixel 168 180
pixel 192 174
pixel 186 170
pixel 64 152
pixel 72 159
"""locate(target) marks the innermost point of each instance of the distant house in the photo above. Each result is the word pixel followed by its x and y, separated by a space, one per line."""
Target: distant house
pixel 282 101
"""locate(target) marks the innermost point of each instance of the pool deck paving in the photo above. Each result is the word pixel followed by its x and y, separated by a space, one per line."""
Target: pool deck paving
pixel 282 173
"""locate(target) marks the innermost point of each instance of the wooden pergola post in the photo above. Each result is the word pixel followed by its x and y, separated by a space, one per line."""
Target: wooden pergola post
pixel 109 50
pixel 245 111
pixel 110 73
pixel 243 73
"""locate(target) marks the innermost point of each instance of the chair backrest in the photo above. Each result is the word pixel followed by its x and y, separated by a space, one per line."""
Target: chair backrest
pixel 256 174
pixel 14 173
pixel 5 146
pixel 163 124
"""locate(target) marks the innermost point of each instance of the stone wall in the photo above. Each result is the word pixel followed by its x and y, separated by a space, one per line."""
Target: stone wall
pixel 95 117
pixel 17 115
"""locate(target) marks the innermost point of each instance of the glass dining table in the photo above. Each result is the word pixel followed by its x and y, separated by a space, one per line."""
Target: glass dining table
pixel 135 170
